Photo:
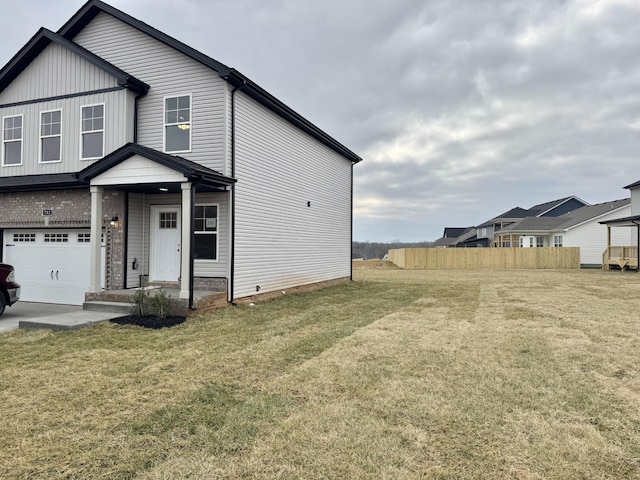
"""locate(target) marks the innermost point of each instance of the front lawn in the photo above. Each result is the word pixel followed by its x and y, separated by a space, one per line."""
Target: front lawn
pixel 401 374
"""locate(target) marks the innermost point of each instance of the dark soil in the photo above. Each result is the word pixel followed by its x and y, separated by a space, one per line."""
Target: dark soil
pixel 149 321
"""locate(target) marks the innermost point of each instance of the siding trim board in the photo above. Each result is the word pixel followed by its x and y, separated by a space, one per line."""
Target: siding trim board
pixel 61 97
pixel 42 39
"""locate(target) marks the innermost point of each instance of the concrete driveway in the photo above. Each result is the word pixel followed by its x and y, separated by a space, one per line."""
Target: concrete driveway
pixel 31 310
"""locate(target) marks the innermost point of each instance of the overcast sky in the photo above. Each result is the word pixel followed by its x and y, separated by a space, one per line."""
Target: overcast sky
pixel 460 110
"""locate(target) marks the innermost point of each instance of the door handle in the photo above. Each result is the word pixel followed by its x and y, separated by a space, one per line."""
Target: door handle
pixel 51 274
pixel 56 274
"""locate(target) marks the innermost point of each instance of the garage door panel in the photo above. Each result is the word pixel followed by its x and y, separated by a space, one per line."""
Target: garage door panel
pixel 53 268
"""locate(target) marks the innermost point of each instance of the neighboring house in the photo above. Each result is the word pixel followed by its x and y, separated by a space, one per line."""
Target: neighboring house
pixel 578 228
pixel 128 158
pixel 451 236
pixel 483 235
pixel 622 250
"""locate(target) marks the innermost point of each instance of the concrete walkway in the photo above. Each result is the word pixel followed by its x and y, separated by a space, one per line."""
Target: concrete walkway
pixel 47 315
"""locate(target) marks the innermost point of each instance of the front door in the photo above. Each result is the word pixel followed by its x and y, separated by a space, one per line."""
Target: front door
pixel 165 243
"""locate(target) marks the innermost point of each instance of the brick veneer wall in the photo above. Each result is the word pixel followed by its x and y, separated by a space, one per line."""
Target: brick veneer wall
pixel 70 209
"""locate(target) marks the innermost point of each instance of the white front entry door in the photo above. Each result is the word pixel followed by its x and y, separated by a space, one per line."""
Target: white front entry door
pixel 165 243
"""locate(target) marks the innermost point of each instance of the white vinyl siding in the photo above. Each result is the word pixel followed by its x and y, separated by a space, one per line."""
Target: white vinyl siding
pixel 119 127
pixel 55 72
pixel 293 205
pixel 135 240
pixel 591 237
pixel 170 73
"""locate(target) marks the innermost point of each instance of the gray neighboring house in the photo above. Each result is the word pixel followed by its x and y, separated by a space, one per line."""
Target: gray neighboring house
pixel 130 158
pixel 578 228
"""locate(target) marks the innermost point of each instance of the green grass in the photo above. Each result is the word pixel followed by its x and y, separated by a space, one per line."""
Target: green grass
pixel 519 374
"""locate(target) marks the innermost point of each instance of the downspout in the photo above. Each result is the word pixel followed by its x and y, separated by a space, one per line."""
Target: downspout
pixel 351 233
pixel 232 253
pixel 192 307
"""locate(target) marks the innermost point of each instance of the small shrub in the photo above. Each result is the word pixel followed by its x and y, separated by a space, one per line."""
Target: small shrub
pixel 140 301
pixel 160 304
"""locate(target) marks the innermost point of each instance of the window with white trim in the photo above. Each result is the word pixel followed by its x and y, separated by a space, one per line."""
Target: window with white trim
pixel 92 143
pixel 539 242
pixel 50 136
pixel 84 237
pixel 177 124
pixel 557 240
pixel 206 232
pixel 12 140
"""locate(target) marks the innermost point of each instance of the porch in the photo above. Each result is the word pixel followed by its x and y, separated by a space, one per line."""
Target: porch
pixel 623 257
pixel 120 300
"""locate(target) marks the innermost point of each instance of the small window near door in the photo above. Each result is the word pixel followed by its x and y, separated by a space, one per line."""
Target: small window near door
pixel 168 220
pixel 206 232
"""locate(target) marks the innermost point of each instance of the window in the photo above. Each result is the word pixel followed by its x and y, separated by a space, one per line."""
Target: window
pixel 92 144
pixel 24 237
pixel 557 240
pixel 84 238
pixel 539 242
pixel 168 220
pixel 206 232
pixel 177 124
pixel 50 138
pixel 12 140
pixel 56 238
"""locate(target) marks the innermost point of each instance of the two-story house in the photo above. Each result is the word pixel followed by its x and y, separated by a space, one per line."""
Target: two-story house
pixel 128 157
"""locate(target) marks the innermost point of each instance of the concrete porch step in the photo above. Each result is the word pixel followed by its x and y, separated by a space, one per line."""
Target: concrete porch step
pixel 101 306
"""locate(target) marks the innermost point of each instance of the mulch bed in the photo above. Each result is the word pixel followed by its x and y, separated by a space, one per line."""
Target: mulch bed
pixel 149 321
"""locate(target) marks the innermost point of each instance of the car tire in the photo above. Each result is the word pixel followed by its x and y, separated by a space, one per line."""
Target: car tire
pixel 3 303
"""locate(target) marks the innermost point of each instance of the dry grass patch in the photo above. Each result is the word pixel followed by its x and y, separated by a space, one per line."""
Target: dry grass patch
pixel 402 374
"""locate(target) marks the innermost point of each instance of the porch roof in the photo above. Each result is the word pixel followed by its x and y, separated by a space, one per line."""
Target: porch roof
pixel 192 171
pixel 632 221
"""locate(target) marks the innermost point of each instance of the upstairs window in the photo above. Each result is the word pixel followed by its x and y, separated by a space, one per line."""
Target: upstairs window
pixel 12 140
pixel 177 124
pixel 92 144
pixel 50 136
pixel 206 232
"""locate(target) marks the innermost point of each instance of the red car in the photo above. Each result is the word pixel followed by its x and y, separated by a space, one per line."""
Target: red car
pixel 9 289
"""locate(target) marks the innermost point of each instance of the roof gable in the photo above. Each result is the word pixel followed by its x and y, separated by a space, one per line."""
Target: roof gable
pixel 189 170
pixel 41 40
pixel 93 7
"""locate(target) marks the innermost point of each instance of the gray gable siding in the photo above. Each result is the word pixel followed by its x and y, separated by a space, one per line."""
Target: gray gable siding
pixel 168 72
pixel 118 131
pixel 55 72
pixel 281 241
pixel 565 207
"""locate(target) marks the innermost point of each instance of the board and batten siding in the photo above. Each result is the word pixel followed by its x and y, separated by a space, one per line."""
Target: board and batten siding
pixel 169 73
pixel 282 242
pixel 119 106
pixel 55 72
pixel 591 236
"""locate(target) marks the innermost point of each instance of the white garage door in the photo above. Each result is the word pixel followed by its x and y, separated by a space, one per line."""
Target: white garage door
pixel 51 266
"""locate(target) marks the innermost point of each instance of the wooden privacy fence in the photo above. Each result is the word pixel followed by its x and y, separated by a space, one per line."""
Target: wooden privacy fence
pixel 486 258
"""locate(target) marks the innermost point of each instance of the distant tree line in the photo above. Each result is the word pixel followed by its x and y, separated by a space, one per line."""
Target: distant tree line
pixel 368 250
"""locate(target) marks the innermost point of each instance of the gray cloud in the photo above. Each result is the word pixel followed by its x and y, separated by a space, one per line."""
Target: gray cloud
pixel 460 109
